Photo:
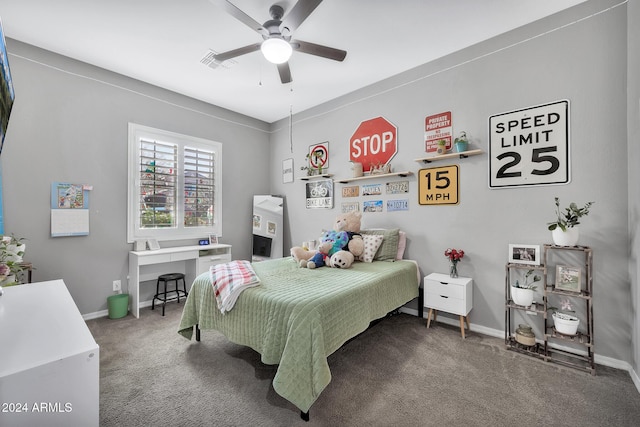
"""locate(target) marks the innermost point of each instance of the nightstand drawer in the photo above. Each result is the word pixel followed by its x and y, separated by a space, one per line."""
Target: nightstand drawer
pixel 447 289
pixel 444 303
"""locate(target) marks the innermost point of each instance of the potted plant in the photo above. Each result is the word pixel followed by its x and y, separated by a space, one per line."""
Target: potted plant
pixel 313 170
pixel 461 142
pixel 442 146
pixel 564 230
pixel 564 320
pixel 522 294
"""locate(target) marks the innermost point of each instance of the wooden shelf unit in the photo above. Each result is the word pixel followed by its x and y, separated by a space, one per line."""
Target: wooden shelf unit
pixel 572 351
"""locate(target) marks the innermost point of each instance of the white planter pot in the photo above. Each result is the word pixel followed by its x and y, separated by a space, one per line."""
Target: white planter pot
pixel 522 296
pixel 565 238
pixel 566 324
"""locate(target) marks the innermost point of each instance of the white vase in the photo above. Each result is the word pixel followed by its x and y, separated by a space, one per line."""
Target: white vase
pixel 565 238
pixel 566 324
pixel 521 296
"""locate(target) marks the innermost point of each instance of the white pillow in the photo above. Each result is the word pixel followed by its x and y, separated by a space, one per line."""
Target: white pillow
pixel 371 244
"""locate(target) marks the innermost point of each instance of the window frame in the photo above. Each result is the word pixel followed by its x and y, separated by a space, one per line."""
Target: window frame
pixel 179 232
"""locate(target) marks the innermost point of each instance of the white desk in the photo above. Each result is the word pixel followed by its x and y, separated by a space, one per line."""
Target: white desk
pixel 49 361
pixel 148 265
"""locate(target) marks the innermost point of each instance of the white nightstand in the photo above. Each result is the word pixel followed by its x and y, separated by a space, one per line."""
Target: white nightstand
pixel 452 295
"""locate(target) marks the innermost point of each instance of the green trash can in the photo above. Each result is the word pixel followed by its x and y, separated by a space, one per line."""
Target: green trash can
pixel 118 305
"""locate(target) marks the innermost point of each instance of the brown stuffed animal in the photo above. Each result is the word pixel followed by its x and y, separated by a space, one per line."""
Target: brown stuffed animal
pixel 349 222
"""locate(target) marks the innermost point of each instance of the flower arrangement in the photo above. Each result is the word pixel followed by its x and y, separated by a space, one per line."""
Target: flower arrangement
pixel 11 252
pixel 454 256
pixel 570 217
pixel 565 311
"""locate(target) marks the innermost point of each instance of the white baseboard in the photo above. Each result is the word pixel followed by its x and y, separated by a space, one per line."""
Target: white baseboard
pixel 601 360
pixel 105 313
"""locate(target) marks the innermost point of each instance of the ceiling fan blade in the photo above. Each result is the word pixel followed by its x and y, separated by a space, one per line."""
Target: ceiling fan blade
pixel 285 73
pixel 319 50
pixel 237 52
pixel 299 13
pixel 232 10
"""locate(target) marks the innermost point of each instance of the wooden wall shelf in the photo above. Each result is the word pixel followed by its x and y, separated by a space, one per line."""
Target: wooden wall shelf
pixel 462 155
pixel 312 177
pixel 381 175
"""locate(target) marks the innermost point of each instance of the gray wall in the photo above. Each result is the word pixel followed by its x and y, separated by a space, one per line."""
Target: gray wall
pixel 556 58
pixel 633 118
pixel 69 124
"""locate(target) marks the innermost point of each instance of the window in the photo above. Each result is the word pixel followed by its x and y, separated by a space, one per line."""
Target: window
pixel 174 185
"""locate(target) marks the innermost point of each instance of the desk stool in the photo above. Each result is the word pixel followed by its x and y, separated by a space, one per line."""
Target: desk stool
pixel 162 296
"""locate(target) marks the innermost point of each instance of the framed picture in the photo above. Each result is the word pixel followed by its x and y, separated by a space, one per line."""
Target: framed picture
pixel 287 171
pixel 153 244
pixel 524 254
pixel 213 239
pixel 568 278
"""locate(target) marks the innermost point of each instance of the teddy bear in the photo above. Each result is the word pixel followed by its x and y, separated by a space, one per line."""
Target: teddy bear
pixel 349 223
pixel 330 243
pixel 341 259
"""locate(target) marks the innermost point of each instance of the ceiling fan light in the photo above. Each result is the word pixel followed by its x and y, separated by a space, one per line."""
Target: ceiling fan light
pixel 276 50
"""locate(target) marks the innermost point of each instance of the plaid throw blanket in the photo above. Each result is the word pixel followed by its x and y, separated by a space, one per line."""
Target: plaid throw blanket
pixel 229 280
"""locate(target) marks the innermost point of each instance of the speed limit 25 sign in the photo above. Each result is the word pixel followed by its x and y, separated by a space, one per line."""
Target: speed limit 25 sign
pixel 530 146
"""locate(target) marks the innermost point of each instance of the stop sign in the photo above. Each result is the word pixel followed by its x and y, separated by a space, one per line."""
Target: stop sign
pixel 375 142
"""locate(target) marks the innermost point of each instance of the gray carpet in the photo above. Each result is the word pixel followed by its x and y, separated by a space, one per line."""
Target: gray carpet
pixel 397 373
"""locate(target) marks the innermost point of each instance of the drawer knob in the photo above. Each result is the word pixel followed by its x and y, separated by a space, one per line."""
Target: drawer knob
pixel 444 283
pixel 443 296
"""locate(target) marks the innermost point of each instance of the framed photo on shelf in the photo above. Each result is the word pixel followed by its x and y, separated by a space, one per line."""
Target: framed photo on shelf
pixel 213 239
pixel 568 278
pixel 524 254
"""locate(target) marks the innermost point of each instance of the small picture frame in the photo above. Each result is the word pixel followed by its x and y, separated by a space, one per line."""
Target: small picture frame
pixel 568 279
pixel 213 239
pixel 153 244
pixel 524 254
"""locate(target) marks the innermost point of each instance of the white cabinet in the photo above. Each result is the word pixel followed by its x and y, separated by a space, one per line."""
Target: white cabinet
pixel 212 257
pixel 49 361
pixel 451 295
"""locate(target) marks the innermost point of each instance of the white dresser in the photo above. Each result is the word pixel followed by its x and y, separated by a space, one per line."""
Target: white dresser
pixel 451 295
pixel 49 361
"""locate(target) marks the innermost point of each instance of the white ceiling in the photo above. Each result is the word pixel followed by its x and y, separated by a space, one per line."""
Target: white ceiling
pixel 162 41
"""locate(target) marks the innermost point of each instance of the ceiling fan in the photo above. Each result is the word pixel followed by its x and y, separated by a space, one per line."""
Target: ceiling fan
pixel 277 44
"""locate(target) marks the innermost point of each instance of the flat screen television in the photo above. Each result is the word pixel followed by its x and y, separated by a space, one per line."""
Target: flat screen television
pixel 261 246
pixel 7 94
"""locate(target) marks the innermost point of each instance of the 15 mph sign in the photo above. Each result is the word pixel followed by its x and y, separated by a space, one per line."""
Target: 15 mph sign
pixel 375 142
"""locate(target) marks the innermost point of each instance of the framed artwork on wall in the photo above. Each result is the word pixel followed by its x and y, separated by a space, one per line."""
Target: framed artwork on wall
pixel 287 171
pixel 524 254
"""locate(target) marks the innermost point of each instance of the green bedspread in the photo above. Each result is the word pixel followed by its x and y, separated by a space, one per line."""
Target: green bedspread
pixel 297 317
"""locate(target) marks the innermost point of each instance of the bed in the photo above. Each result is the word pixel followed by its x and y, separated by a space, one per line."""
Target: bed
pixel 297 317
